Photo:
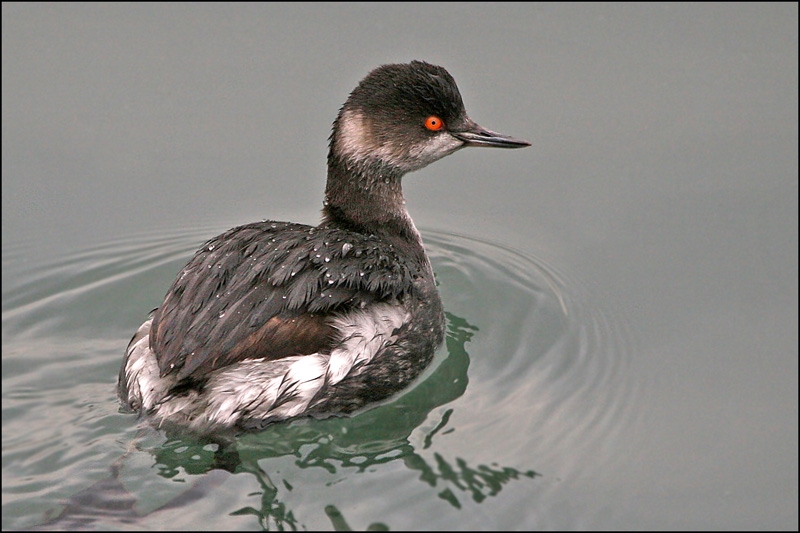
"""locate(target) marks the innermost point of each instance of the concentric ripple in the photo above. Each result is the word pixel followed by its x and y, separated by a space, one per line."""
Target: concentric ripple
pixel 532 383
pixel 545 358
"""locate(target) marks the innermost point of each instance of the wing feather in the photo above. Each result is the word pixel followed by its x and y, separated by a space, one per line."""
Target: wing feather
pixel 266 290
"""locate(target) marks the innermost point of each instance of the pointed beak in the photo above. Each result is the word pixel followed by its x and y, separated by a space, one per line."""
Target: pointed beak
pixel 475 135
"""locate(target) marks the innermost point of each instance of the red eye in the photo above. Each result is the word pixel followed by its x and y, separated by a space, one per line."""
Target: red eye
pixel 434 123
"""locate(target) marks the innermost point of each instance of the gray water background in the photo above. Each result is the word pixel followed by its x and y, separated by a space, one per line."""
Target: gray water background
pixel 662 180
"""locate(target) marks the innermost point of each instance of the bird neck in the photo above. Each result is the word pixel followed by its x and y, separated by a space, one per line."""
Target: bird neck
pixel 366 196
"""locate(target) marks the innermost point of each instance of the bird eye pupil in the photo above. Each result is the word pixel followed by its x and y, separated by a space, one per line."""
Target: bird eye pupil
pixel 434 123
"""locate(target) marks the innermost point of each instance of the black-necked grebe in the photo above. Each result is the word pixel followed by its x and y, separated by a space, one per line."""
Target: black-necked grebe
pixel 275 320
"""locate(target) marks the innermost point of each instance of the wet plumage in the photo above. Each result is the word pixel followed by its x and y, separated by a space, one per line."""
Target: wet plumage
pixel 273 320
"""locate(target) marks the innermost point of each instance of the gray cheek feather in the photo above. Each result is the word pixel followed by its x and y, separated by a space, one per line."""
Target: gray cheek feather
pixel 355 139
pixel 256 389
pixel 434 149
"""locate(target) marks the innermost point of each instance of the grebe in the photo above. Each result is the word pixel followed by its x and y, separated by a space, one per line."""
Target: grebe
pixel 275 320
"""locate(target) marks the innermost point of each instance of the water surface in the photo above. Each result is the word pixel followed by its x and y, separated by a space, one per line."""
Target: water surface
pixel 622 296
pixel 524 365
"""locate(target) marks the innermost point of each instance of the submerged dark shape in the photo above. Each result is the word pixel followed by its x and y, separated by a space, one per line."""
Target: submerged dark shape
pixel 274 320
